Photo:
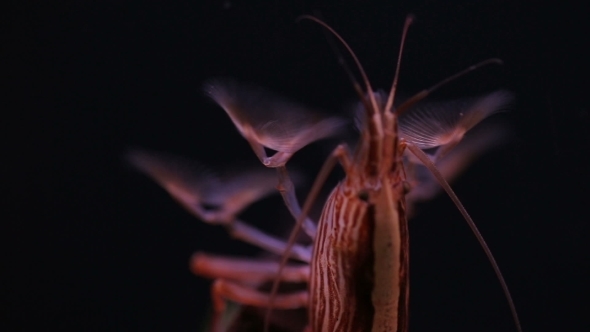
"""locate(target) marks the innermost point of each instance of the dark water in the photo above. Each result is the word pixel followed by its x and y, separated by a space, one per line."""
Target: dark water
pixel 91 245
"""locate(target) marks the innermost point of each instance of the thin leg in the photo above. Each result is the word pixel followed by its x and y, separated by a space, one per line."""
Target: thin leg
pixel 251 235
pixel 277 160
pixel 245 270
pixel 340 154
pixel 287 190
pixel 226 290
pixel 258 149
pixel 223 290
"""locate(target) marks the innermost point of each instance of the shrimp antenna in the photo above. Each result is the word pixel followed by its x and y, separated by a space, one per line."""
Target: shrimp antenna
pixel 374 107
pixel 389 104
pixel 342 62
pixel 445 185
pixel 424 93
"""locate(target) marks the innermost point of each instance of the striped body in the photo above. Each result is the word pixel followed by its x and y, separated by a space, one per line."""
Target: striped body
pixel 359 268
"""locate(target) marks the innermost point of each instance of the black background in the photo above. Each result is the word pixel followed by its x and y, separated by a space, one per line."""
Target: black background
pixel 92 245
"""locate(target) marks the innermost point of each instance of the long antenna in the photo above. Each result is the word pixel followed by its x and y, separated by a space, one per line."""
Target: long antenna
pixel 372 99
pixel 341 61
pixel 424 93
pixel 445 185
pixel 389 104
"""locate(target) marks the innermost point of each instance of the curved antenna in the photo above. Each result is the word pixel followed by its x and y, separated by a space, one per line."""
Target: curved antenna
pixel 424 93
pixel 443 183
pixel 342 62
pixel 374 105
pixel 389 104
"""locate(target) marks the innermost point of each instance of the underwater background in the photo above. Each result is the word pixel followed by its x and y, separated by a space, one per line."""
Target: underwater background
pixel 92 245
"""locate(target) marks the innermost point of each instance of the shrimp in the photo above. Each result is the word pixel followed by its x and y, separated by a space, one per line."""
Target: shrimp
pixel 357 267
